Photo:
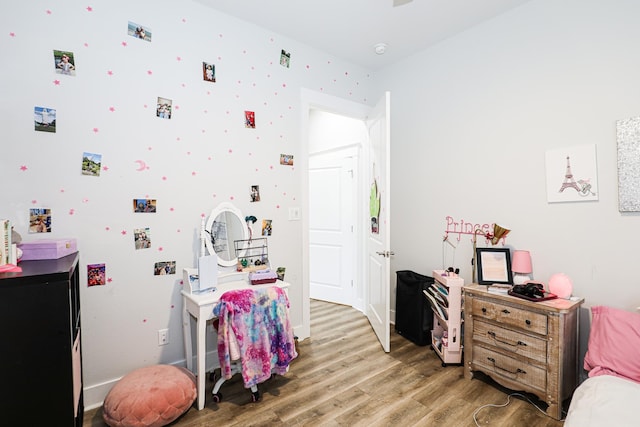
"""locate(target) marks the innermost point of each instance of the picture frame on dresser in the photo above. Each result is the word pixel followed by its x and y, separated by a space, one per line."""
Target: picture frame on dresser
pixel 494 266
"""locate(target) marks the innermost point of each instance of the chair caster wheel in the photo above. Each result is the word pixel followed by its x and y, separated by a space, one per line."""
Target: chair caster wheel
pixel 217 397
pixel 255 397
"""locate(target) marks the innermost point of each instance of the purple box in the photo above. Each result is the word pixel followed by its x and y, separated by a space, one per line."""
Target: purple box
pixel 47 249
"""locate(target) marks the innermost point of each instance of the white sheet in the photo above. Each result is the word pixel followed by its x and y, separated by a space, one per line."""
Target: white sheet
pixel 605 401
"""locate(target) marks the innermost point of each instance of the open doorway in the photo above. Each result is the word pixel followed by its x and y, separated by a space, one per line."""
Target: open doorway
pixel 321 105
pixel 335 145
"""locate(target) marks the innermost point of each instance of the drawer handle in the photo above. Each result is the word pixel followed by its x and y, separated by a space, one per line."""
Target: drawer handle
pixel 528 322
pixel 514 373
pixel 505 311
pixel 484 310
pixel 513 344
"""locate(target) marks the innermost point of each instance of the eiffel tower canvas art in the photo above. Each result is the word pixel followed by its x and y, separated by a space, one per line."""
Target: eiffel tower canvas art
pixel 572 174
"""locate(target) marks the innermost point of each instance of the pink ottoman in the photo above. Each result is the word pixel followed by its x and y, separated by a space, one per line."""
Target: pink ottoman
pixel 150 397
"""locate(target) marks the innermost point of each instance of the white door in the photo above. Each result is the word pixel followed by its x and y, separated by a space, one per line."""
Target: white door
pixel 378 231
pixel 331 231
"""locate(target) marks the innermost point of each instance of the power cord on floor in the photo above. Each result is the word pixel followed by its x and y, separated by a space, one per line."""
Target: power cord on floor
pixel 495 405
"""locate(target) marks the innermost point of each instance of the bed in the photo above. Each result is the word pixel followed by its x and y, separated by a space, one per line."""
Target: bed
pixel 611 394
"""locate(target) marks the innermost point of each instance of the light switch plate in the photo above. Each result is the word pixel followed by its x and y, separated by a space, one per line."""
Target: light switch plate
pixel 294 214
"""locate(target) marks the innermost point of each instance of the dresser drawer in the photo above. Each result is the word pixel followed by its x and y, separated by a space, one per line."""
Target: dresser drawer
pixel 508 315
pixel 496 364
pixel 510 341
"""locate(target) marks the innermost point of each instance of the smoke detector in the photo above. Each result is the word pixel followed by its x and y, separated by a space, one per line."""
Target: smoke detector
pixel 380 48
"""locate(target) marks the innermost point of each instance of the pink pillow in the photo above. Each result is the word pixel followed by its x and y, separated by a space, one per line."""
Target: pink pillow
pixel 614 343
pixel 150 397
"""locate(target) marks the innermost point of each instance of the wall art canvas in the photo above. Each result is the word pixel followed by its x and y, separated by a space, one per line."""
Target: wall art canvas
pixel 628 138
pixel 572 174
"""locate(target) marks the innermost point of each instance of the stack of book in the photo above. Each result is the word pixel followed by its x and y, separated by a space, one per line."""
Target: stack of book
pixel 7 248
pixel 499 288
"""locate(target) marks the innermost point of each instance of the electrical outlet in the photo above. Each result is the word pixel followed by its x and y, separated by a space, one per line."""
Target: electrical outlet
pixel 163 336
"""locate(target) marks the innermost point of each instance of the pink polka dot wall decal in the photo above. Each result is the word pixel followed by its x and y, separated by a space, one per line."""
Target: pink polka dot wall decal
pixel 48 12
pixel 110 279
pixel 307 67
pixel 164 178
pixel 12 34
pixel 160 249
pixel 178 58
pixel 124 44
pixel 89 9
pixel 107 228
pixel 146 106
pixel 23 168
pixel 219 58
pixel 149 72
pixel 172 209
pixel 184 20
pixel 33 202
pixel 123 232
pixel 96 130
pixel 230 151
pixel 86 44
pixel 277 206
pixel 72 211
pixel 112 109
pixel 284 85
pixel 144 320
pixel 220 35
pixel 194 173
pixel 56 82
pixel 109 73
pixel 231 198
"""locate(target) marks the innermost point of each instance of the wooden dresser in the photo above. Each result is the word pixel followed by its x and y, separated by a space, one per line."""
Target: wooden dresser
pixel 523 345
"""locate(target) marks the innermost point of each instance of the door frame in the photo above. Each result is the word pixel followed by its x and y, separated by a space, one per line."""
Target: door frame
pixel 312 99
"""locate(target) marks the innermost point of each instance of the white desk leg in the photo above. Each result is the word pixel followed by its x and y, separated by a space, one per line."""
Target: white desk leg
pixel 201 356
pixel 186 332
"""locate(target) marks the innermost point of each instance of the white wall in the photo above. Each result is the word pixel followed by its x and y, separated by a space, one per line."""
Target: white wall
pixel 472 118
pixel 200 157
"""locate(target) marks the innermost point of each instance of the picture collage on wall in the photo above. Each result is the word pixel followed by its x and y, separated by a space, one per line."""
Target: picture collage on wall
pixel 45 120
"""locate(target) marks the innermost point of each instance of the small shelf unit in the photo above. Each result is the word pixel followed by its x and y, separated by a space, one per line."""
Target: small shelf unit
pixel 445 296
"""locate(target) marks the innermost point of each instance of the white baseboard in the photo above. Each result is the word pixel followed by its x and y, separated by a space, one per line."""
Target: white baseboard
pixel 95 394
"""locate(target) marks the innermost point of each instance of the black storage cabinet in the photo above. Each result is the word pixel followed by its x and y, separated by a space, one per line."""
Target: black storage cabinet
pixel 414 318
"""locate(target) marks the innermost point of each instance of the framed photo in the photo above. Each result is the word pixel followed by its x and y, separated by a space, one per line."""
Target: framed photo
pixel 494 266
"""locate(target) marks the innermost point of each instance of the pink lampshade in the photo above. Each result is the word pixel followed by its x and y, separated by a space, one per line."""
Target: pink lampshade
pixel 521 262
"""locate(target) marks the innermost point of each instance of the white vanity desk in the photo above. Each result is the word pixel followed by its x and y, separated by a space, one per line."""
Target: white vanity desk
pixel 200 306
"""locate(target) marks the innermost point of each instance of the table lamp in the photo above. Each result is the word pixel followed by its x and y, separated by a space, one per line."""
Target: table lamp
pixel 521 267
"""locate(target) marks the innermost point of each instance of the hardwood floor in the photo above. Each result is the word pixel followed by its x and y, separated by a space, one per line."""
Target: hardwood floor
pixel 342 377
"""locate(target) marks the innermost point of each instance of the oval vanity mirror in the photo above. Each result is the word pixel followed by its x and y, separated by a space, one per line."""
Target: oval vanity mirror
pixel 224 227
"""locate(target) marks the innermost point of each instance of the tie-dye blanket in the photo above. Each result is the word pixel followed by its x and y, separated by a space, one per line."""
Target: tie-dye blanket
pixel 259 319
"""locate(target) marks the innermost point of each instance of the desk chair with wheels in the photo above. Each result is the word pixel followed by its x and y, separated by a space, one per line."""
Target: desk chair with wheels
pixel 255 337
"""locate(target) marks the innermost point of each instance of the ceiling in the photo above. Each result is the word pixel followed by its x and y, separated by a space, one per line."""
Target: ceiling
pixel 349 29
